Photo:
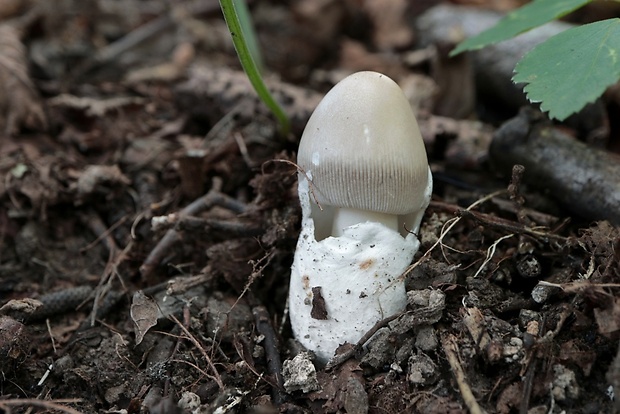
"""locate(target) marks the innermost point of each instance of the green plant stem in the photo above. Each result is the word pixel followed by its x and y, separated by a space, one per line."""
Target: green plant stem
pixel 249 66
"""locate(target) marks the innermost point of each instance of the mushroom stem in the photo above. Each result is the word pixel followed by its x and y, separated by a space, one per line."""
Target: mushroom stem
pixel 341 286
pixel 346 217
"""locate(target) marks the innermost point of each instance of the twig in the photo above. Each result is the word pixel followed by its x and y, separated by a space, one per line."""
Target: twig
pixel 341 358
pixel 453 222
pixel 229 228
pixel 243 149
pixel 249 363
pixel 140 35
pixel 216 375
pixel 550 335
pixel 450 348
pixel 515 194
pixel 196 367
pixel 497 222
pixel 212 198
pixel 48 405
pixel 529 376
pixel 96 225
pixel 513 227
pixel 580 284
pixel 543 219
pixel 105 282
pixel 257 271
pixel 301 170
pixel 274 364
pixel 414 317
pixel 490 253
pixel 49 331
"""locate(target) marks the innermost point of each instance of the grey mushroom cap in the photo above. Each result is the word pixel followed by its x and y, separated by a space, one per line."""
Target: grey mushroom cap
pixel 363 149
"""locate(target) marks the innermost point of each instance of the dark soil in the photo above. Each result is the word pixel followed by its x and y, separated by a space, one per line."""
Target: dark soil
pixel 149 216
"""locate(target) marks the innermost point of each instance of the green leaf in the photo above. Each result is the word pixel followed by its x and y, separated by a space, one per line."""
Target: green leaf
pixel 521 20
pixel 572 68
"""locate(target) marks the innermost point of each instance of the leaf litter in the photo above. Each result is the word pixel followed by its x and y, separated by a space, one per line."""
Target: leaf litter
pixel 174 186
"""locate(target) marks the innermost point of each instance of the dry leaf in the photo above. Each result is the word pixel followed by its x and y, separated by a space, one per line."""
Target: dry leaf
pixel 341 387
pixel 26 306
pixel 94 107
pixel 20 105
pixel 389 18
pixel 95 176
pixel 12 8
pixel 574 351
pixel 608 319
pixel 144 312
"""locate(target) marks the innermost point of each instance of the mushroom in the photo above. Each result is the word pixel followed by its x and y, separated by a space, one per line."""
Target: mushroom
pixel 363 152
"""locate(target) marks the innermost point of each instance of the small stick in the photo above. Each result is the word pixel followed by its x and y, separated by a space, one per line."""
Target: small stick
pixel 274 363
pixel 490 253
pixel 230 228
pixel 213 198
pixel 496 222
pixel 216 375
pixel 45 404
pixel 341 358
pixel 448 343
pixel 447 227
pixel 96 225
pixel 509 226
pixel 528 384
pixel 142 34
pixel 514 191
pixel 301 170
pixel 577 285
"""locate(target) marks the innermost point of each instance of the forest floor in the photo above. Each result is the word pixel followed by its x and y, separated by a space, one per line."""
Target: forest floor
pixel 149 217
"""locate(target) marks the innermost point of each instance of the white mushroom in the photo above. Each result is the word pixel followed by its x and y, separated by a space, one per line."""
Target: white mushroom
pixel 363 151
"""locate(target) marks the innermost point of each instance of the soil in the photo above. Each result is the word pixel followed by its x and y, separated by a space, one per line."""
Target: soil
pixel 149 217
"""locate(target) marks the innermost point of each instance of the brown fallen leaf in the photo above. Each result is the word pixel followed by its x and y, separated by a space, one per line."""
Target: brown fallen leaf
pixel 608 319
pixel 11 8
pixel 144 312
pixel 20 105
pixel 168 71
pixel 343 388
pixel 94 177
pixel 14 341
pixel 355 56
pixel 510 398
pixel 25 306
pixel 454 77
pixel 389 18
pixel 574 351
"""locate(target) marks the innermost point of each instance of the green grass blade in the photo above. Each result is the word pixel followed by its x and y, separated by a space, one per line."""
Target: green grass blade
pixel 231 17
pixel 245 21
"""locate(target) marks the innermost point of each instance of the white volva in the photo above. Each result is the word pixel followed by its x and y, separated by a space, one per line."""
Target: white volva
pixel 363 152
pixel 357 274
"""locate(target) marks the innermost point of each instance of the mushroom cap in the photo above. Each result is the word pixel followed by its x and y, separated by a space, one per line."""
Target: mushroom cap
pixel 363 149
